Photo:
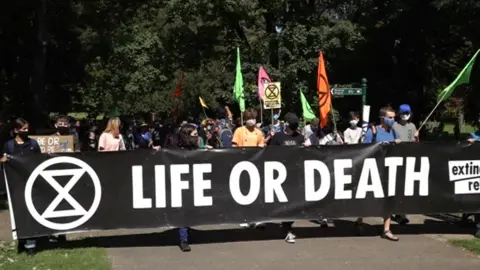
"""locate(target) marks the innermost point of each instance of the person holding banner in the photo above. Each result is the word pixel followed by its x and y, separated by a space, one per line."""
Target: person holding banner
pixel 62 126
pixel 248 135
pixel 111 139
pixel 290 137
pixel 186 138
pixel 22 145
pixel 382 133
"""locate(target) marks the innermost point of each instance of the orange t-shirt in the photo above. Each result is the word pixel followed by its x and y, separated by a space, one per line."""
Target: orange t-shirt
pixel 243 137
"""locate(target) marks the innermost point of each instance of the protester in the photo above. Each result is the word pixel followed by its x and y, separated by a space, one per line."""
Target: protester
pixel 353 133
pixel 157 134
pixel 248 135
pixel 187 138
pixel 311 128
pixel 404 129
pixel 62 125
pixel 22 145
pixel 382 133
pixel 111 139
pixel 92 138
pixel 223 128
pixel 474 137
pixel 143 138
pixel 290 137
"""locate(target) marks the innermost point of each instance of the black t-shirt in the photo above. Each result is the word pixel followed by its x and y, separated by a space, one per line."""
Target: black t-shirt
pixel 283 139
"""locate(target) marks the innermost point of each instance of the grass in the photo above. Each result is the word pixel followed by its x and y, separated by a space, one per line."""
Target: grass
pixel 472 245
pixel 55 259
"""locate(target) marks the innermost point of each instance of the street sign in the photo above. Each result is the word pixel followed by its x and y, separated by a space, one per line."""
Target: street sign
pixel 272 98
pixel 339 92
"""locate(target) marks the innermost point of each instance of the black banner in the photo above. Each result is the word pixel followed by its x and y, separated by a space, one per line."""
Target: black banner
pixel 147 189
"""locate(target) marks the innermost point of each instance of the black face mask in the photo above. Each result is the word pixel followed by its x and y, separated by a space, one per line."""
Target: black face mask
pixel 63 130
pixel 23 135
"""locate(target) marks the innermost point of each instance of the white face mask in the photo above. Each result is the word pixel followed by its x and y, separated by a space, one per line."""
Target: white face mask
pixel 353 123
pixel 250 122
pixel 405 117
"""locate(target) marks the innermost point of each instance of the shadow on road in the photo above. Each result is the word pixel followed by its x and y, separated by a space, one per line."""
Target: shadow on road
pixel 341 228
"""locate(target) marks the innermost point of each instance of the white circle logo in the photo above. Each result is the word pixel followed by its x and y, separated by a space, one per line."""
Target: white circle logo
pixel 63 193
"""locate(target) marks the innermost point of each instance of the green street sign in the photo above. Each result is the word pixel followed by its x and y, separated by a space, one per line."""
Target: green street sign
pixel 339 92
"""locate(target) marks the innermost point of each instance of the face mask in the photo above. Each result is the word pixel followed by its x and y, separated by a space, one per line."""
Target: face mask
pixel 388 121
pixel 405 117
pixel 63 130
pixel 23 135
pixel 353 123
pixel 275 116
pixel 250 122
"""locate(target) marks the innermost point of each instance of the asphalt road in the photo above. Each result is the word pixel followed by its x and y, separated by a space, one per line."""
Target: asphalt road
pixel 422 246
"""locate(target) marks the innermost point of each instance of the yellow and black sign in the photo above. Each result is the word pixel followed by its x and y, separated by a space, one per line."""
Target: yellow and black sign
pixel 272 98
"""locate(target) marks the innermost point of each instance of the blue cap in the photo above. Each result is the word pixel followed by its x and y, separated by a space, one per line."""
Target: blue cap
pixel 404 108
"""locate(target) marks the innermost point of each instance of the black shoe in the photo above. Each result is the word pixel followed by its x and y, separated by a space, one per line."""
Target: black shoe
pixel 359 229
pixel 31 252
pixel 402 220
pixel 62 238
pixel 185 247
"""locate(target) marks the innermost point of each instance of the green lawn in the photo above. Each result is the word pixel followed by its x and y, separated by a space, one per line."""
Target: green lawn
pixel 472 245
pixel 56 259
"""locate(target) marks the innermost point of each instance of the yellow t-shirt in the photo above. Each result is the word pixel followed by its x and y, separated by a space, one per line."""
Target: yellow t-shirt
pixel 243 137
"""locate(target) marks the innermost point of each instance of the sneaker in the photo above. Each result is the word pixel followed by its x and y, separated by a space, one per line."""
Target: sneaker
pixel 290 238
pixel 185 247
pixel 323 223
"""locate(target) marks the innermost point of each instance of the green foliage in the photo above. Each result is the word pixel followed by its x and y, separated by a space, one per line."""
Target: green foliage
pixel 127 55
pixel 58 259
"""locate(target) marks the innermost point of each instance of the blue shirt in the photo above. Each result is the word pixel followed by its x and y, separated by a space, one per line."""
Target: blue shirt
pixel 381 136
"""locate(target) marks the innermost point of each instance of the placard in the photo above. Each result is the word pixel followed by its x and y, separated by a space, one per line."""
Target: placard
pixel 272 98
pixel 54 144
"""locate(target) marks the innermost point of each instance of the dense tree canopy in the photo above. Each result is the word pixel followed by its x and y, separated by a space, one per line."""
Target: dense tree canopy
pixel 103 55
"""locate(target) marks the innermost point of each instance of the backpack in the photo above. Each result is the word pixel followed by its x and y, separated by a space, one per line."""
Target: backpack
pixel 11 145
pixel 224 135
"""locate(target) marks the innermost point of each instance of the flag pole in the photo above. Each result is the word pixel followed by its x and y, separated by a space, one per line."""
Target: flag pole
pixel 272 117
pixel 261 110
pixel 204 112
pixel 429 115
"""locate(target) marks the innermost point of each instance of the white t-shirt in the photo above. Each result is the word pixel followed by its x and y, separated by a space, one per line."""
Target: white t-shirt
pixel 352 136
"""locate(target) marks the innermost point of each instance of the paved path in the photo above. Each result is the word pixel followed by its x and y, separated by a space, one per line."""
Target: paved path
pixel 229 247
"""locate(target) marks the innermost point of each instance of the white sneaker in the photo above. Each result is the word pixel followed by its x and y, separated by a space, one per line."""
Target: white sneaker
pixel 290 238
pixel 323 223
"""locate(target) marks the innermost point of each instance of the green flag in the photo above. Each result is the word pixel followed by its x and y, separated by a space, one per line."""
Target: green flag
pixel 238 87
pixel 463 77
pixel 307 110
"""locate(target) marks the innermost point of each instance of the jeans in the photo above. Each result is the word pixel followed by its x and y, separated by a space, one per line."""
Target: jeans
pixel 183 233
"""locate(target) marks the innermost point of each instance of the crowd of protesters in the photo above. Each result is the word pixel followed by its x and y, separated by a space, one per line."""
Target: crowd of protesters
pixel 222 131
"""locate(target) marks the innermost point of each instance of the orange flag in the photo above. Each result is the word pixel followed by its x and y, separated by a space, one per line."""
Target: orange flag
pixel 324 95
